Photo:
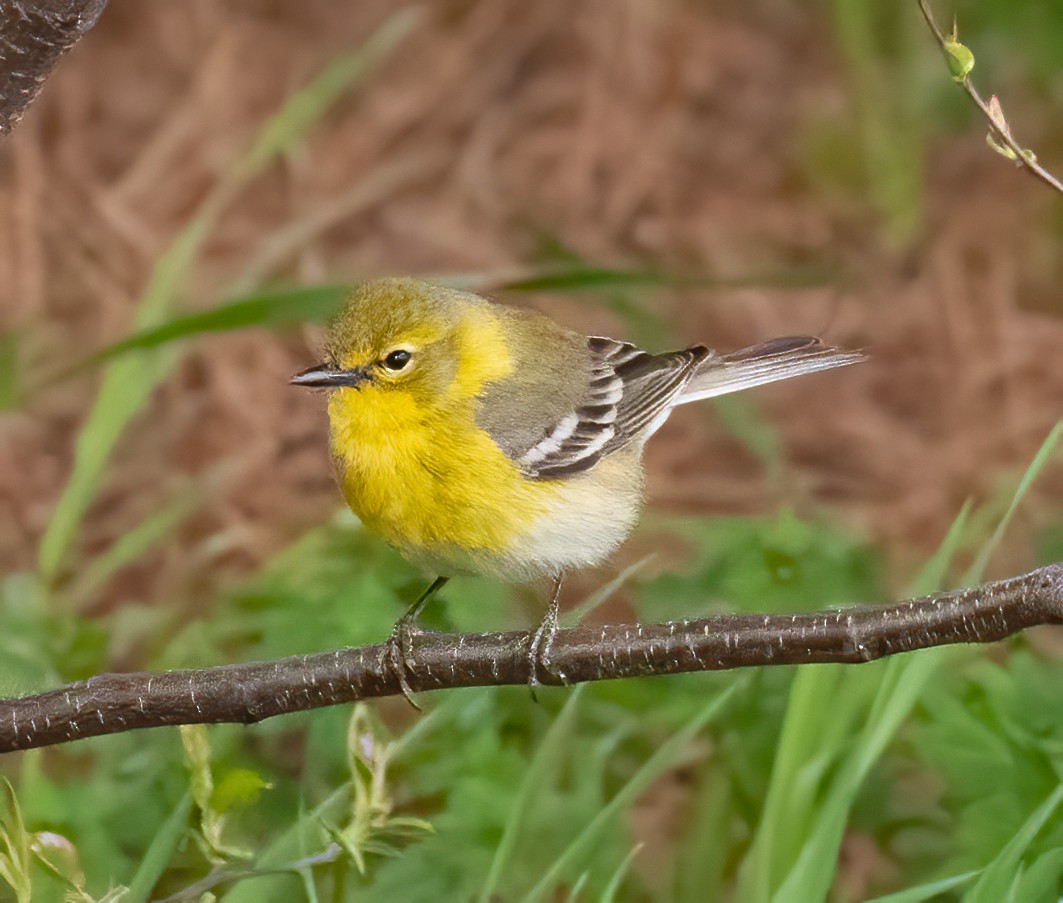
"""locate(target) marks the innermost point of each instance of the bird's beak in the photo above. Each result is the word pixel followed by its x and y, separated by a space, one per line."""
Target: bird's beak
pixel 323 375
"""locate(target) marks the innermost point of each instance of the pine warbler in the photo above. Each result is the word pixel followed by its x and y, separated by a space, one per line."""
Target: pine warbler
pixel 491 440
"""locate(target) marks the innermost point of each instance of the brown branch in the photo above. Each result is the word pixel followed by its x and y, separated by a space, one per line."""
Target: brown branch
pixel 998 127
pixel 33 35
pixel 246 693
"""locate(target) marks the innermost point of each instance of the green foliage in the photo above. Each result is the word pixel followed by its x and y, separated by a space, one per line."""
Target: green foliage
pixel 825 754
pixel 999 721
pixel 752 564
pixel 15 852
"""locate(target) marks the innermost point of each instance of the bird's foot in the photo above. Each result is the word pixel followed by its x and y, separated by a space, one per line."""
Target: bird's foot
pixel 398 656
pixel 542 642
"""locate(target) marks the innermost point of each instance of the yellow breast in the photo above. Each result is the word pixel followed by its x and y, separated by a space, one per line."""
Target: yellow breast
pixel 428 480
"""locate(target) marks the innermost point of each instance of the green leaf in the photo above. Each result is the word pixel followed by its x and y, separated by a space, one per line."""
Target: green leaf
pixel 959 58
pixel 276 308
pixel 1044 453
pixel 1006 152
pixel 927 891
pixel 161 851
pixel 211 821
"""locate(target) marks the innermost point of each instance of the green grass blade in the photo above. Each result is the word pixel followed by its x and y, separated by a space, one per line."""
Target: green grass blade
pixel 278 308
pixel 303 834
pixel 927 891
pixel 285 307
pixel 577 613
pixel 997 877
pixel 935 569
pixel 125 388
pixel 978 566
pixel 889 127
pixel 814 737
pixel 14 846
pixel 542 764
pixel 586 278
pixel 304 108
pixel 903 682
pixel 740 417
pixel 610 891
pixel 811 876
pixel 665 756
pixel 1040 880
pixel 137 540
pixel 160 852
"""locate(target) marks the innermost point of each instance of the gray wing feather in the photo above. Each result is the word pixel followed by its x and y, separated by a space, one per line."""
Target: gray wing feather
pixel 766 362
pixel 629 389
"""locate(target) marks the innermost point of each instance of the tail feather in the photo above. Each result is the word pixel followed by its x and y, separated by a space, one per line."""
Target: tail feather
pixel 765 362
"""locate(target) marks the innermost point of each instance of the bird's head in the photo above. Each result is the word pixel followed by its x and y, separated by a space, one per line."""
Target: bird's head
pixel 406 339
pixel 392 334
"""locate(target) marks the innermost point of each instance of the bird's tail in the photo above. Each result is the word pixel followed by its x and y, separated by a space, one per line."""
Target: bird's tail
pixel 765 362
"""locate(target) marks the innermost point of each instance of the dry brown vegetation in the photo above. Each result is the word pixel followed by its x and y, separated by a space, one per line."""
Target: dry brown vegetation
pixel 630 133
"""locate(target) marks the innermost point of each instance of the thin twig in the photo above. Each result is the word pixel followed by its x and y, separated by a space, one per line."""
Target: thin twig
pixel 246 693
pixel 1001 133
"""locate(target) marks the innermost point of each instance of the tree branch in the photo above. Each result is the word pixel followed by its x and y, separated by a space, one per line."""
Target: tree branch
pixel 246 693
pixel 999 130
pixel 33 35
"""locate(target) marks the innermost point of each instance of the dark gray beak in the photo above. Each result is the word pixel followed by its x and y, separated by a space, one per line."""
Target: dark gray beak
pixel 322 375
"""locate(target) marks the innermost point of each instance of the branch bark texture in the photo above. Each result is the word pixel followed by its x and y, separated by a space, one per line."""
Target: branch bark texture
pixel 246 693
pixel 33 35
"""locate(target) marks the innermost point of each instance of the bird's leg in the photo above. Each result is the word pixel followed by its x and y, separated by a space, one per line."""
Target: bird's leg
pixel 543 638
pixel 398 650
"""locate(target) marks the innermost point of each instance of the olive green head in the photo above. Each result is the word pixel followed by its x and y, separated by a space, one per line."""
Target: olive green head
pixel 394 333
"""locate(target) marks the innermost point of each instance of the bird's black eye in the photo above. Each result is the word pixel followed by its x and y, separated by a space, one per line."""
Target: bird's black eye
pixel 397 359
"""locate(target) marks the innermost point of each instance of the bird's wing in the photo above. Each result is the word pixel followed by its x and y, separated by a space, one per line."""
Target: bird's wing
pixel 628 396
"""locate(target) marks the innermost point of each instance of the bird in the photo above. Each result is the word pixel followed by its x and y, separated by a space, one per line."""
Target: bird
pixel 482 438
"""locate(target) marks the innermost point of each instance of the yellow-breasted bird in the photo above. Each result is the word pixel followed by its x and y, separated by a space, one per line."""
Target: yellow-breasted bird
pixel 486 439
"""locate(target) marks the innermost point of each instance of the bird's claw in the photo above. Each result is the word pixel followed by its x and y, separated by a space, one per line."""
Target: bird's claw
pixel 539 651
pixel 398 656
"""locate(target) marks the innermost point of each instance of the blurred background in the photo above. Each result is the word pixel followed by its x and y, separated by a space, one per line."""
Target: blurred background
pixel 669 173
